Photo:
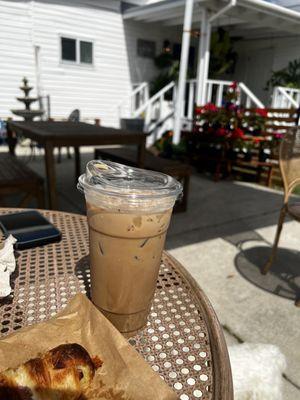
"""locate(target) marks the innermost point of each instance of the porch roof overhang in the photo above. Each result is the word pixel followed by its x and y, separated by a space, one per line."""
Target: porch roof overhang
pixel 260 17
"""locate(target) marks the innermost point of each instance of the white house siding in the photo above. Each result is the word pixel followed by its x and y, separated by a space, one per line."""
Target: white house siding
pixel 16 52
pixel 96 90
pixel 258 58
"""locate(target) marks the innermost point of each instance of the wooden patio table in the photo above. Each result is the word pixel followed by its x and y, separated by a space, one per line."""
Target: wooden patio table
pixel 65 133
pixel 183 340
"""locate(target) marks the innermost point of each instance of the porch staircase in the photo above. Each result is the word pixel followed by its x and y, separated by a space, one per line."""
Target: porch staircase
pixel 158 111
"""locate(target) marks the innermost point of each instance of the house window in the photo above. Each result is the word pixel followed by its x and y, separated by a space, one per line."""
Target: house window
pixel 76 51
pixel 86 52
pixel 68 49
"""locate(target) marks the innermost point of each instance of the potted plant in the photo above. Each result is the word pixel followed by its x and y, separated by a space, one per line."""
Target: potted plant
pixel 231 122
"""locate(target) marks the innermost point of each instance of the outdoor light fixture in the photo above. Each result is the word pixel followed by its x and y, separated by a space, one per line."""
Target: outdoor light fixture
pixel 166 46
pixel 195 33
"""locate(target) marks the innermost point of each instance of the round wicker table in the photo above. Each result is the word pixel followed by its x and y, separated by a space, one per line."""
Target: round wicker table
pixel 183 340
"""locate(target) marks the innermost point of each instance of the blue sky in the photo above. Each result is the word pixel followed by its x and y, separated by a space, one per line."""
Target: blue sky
pixel 292 4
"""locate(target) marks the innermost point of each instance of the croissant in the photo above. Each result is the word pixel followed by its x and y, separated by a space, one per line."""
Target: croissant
pixel 63 373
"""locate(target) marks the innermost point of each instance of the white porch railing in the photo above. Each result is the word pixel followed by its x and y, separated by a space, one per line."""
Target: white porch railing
pixel 154 107
pixel 215 93
pixel 138 97
pixel 284 97
pixel 158 111
pixel 141 105
pixel 248 98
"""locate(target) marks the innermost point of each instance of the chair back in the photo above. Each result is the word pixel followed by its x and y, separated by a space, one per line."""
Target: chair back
pixel 289 160
pixel 74 116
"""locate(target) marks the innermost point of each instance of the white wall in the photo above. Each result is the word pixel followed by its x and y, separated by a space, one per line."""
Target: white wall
pixel 16 52
pixel 142 69
pixel 258 58
pixel 96 90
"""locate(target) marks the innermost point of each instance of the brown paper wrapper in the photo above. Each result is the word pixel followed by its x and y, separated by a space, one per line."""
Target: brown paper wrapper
pixel 124 374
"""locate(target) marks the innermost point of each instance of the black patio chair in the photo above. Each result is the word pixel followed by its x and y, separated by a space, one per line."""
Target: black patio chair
pixel 73 117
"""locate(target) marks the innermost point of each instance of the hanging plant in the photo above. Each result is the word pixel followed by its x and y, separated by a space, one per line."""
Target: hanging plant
pixel 166 76
pixel 164 60
pixel 222 55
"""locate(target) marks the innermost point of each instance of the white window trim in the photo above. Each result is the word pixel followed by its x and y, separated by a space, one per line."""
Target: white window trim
pixel 77 49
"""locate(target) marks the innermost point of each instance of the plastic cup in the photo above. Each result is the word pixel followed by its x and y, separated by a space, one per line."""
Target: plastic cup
pixel 128 212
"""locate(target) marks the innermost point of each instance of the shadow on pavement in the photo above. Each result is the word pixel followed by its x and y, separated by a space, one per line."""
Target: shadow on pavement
pixel 283 278
pixel 226 209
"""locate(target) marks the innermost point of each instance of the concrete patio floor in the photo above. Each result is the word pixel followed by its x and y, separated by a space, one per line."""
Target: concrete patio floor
pixel 223 239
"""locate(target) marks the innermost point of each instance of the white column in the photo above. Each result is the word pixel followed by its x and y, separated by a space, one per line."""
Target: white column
pixel 206 61
pixel 201 54
pixel 204 53
pixel 203 58
pixel 184 57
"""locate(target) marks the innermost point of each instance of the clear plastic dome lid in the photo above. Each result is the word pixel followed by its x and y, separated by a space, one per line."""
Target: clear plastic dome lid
pixel 113 179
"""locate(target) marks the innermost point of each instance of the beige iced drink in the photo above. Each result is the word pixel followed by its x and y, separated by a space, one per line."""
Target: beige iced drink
pixel 127 230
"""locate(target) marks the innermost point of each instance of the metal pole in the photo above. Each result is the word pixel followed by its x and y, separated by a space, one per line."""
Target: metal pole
pixel 38 76
pixel 201 55
pixel 48 106
pixel 183 69
pixel 37 69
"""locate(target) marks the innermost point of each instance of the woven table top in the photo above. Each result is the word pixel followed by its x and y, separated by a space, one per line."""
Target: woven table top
pixel 183 340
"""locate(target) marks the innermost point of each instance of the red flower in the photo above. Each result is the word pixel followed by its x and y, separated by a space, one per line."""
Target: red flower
pixel 198 110
pixel 240 112
pixel 233 85
pixel 221 132
pixel 278 135
pixel 257 140
pixel 232 107
pixel 237 133
pixel 210 107
pixel 262 112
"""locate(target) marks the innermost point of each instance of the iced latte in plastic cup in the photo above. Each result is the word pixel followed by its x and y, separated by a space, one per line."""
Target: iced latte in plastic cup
pixel 128 211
